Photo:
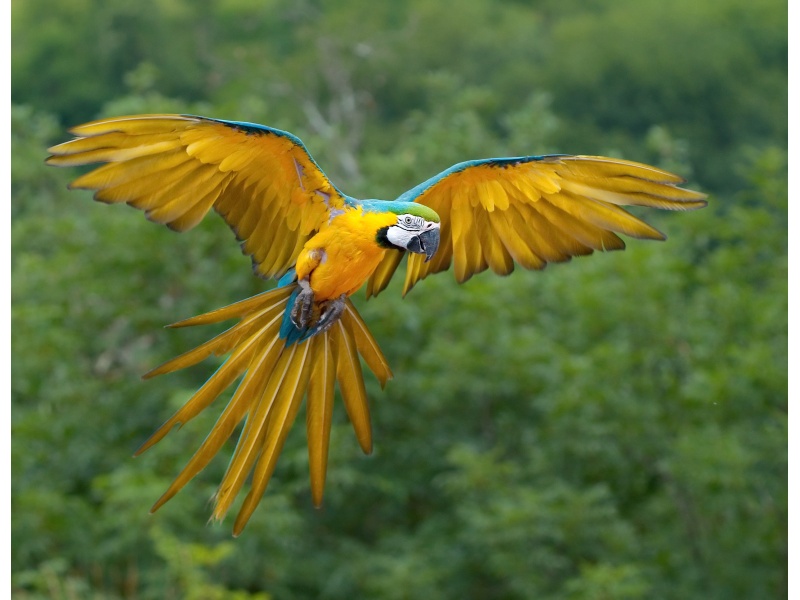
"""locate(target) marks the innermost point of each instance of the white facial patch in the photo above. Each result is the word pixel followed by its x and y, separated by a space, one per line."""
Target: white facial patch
pixel 399 236
pixel 408 226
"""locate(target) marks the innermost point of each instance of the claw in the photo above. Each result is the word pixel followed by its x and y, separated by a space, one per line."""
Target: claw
pixel 303 308
pixel 313 317
pixel 331 311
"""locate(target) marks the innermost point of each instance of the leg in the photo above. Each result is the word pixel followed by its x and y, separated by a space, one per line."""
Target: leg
pixel 331 311
pixel 303 306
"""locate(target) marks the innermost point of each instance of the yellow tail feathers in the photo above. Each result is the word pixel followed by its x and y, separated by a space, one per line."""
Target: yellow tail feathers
pixel 274 379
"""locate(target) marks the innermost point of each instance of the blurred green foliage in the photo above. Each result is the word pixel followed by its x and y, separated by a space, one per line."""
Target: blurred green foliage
pixel 614 428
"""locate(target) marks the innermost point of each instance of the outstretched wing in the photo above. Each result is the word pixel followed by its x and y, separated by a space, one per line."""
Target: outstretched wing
pixel 176 168
pixel 534 210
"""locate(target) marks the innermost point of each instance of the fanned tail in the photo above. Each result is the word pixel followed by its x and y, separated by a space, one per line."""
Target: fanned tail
pixel 275 376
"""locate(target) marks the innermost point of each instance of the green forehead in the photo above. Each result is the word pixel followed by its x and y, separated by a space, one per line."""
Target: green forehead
pixel 407 208
pixel 420 210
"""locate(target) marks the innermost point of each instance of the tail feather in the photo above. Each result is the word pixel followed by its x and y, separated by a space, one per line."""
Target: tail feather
pixel 261 302
pixel 218 345
pixel 251 441
pixel 237 363
pixel 351 383
pixel 275 376
pixel 223 429
pixel 366 344
pixel 319 414
pixel 281 417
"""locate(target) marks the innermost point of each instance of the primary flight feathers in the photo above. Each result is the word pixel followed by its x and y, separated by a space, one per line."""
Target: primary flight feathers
pixel 177 168
pixel 301 338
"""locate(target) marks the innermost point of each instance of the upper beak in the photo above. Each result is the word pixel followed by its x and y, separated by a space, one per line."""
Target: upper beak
pixel 426 243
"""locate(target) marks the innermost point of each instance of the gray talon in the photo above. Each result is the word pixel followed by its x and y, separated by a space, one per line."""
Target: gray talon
pixel 331 312
pixel 307 314
pixel 303 306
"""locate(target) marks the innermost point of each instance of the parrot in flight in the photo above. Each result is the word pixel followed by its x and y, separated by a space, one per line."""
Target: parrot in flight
pixel 304 336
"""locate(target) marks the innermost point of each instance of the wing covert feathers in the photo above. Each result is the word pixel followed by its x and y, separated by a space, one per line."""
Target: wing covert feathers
pixel 535 210
pixel 274 378
pixel 176 168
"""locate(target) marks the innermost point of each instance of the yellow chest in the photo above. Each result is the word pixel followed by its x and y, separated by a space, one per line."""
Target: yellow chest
pixel 341 257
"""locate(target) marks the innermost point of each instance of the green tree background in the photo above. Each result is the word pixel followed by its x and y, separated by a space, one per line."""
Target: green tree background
pixel 615 428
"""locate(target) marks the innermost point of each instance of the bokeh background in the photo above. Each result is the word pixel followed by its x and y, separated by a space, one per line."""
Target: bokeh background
pixel 613 428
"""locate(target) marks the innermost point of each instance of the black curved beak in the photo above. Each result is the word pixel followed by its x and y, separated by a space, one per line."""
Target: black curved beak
pixel 426 243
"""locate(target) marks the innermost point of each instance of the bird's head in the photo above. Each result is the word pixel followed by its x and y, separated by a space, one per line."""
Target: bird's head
pixel 416 229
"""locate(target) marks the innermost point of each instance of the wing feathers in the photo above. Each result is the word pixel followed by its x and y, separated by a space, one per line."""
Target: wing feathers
pixel 177 168
pixel 146 167
pixel 83 157
pixel 534 210
pixel 383 274
pixel 514 241
pixel 169 182
pixel 166 207
pixel 605 216
pixel 110 141
pixel 603 168
pixel 494 252
pixel 627 192
pixel 134 125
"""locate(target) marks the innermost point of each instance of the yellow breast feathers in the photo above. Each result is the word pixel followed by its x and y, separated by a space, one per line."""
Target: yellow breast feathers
pixel 341 257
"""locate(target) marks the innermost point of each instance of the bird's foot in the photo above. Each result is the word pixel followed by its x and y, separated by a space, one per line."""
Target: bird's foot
pixel 331 311
pixel 303 308
pixel 309 315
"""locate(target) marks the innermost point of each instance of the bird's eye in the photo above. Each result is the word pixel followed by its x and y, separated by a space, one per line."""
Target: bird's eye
pixel 408 220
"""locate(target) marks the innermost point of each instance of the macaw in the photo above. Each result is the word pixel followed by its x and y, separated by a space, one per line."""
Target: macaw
pixel 304 336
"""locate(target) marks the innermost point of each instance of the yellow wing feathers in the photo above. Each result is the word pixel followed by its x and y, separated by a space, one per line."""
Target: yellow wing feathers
pixel 176 168
pixel 533 212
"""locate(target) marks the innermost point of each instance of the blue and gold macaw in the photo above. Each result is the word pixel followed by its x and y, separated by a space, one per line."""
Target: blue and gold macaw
pixel 305 336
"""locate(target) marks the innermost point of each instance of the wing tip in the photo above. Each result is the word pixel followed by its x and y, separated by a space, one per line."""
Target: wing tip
pixel 700 201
